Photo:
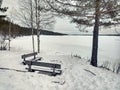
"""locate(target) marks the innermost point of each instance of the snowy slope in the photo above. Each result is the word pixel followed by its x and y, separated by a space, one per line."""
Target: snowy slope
pixel 77 73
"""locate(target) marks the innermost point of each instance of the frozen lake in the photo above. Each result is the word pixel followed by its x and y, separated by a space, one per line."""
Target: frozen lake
pixel 109 46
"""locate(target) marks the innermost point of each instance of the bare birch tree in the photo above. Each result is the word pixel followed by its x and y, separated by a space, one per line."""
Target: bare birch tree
pixel 31 22
pixel 42 16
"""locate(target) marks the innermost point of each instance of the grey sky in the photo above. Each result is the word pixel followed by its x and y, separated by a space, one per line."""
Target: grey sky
pixel 62 24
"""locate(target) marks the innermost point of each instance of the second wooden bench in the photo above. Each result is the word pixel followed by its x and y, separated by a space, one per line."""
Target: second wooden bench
pixel 51 68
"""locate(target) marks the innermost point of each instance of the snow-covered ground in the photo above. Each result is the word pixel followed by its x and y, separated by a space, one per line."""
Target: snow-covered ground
pixel 77 73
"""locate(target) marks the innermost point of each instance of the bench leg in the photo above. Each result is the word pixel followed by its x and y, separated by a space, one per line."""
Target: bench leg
pixel 53 74
pixel 29 68
pixel 23 63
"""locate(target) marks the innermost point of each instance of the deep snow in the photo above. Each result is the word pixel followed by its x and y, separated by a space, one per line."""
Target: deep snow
pixel 77 73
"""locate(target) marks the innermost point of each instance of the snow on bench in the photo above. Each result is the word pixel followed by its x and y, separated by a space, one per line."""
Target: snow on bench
pixel 27 57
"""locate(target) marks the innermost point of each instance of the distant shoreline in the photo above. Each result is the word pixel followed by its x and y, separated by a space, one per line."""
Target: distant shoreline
pixel 92 34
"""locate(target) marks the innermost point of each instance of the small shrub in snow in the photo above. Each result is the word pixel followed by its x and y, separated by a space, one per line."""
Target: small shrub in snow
pixel 116 67
pixel 3 45
pixel 110 66
pixel 105 65
pixel 77 56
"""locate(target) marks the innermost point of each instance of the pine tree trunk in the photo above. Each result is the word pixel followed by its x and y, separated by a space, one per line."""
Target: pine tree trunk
pixel 95 35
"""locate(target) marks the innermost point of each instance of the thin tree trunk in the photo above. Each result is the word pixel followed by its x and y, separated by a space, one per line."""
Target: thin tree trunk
pixel 38 42
pixel 1 3
pixel 32 26
pixel 9 34
pixel 95 34
pixel 37 26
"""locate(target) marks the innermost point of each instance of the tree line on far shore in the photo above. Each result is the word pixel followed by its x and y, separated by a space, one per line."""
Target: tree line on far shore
pixel 17 30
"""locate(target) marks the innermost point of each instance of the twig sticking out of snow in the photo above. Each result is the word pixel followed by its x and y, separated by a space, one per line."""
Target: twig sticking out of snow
pixel 59 82
pixel 12 69
pixel 90 72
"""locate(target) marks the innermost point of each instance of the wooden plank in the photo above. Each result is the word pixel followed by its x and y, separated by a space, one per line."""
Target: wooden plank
pixel 28 55
pixel 44 64
pixel 43 71
pixel 36 59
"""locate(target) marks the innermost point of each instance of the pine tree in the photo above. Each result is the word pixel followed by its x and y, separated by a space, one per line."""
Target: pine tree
pixel 90 13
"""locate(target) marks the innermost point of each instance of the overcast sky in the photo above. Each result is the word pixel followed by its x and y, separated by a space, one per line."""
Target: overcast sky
pixel 62 24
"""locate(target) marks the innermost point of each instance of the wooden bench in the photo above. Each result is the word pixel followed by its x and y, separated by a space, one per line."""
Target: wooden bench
pixel 27 57
pixel 50 68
